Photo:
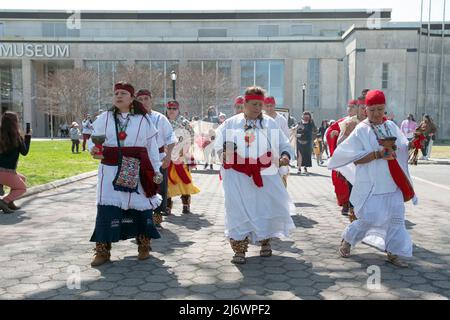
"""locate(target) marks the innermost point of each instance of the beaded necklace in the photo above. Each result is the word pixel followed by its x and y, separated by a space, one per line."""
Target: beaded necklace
pixel 249 129
pixel 122 125
pixel 380 135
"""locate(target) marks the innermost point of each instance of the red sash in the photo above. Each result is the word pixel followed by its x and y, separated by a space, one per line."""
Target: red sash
pixel 181 172
pixel 250 167
pixel 146 172
pixel 401 180
pixel 399 177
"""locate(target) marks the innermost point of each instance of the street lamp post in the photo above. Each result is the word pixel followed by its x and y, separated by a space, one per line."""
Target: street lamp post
pixel 303 94
pixel 173 76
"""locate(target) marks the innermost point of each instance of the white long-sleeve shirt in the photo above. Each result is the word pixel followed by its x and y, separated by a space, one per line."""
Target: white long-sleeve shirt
pixel 372 178
pixel 140 133
pixel 257 212
pixel 165 135
pixel 283 124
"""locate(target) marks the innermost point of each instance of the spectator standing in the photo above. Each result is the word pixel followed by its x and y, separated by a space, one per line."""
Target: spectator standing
pixel 75 134
pixel 86 129
pixel 408 127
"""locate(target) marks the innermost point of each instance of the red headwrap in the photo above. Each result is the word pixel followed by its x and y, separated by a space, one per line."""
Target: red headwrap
pixel 173 104
pixel 375 97
pixel 239 100
pixel 352 102
pixel 143 92
pixel 269 100
pixel 360 102
pixel 124 86
pixel 254 97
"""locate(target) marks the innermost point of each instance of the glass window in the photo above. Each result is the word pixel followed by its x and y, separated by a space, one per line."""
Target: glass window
pixel 268 74
pixel 212 32
pixel 73 32
pixel 157 80
pixel 262 74
pixel 11 87
pixel 205 83
pixel 58 29
pixel 224 68
pixel 247 74
pixel 301 30
pixel 313 89
pixel 329 32
pixel 268 30
pixel 48 29
pixel 106 77
pixel 277 81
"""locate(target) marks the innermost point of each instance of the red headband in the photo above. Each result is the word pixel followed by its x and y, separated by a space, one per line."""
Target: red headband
pixel 239 100
pixel 360 102
pixel 352 102
pixel 254 97
pixel 124 86
pixel 173 104
pixel 374 97
pixel 269 100
pixel 143 92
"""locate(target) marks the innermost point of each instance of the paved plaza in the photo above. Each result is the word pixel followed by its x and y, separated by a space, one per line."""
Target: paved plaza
pixel 45 251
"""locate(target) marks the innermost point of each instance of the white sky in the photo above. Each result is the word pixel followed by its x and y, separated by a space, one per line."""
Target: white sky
pixel 402 10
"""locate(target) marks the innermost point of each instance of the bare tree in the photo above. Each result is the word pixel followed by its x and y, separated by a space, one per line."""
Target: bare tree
pixel 198 89
pixel 66 93
pixel 141 77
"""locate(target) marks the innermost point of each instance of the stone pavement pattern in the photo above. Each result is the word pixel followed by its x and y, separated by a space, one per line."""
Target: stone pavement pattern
pixel 40 245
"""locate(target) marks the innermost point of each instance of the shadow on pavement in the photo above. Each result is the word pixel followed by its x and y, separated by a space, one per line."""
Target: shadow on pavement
pixel 169 242
pixel 125 278
pixel 304 205
pixel 191 221
pixel 424 267
pixel 304 222
pixel 409 225
pixel 13 218
pixel 54 196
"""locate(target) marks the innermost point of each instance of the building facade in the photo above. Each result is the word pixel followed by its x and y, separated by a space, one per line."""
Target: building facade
pixel 336 53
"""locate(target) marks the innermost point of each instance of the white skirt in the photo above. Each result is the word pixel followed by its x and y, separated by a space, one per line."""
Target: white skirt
pixel 106 195
pixel 381 223
pixel 253 212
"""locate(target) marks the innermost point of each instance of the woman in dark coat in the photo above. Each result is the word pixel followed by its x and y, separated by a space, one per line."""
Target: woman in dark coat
pixel 306 129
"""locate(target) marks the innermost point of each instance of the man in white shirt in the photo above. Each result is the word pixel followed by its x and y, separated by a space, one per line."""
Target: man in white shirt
pixel 238 105
pixel 269 109
pixel 86 129
pixel 166 139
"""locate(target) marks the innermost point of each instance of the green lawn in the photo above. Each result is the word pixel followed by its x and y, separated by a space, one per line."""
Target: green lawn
pixel 440 151
pixel 53 160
